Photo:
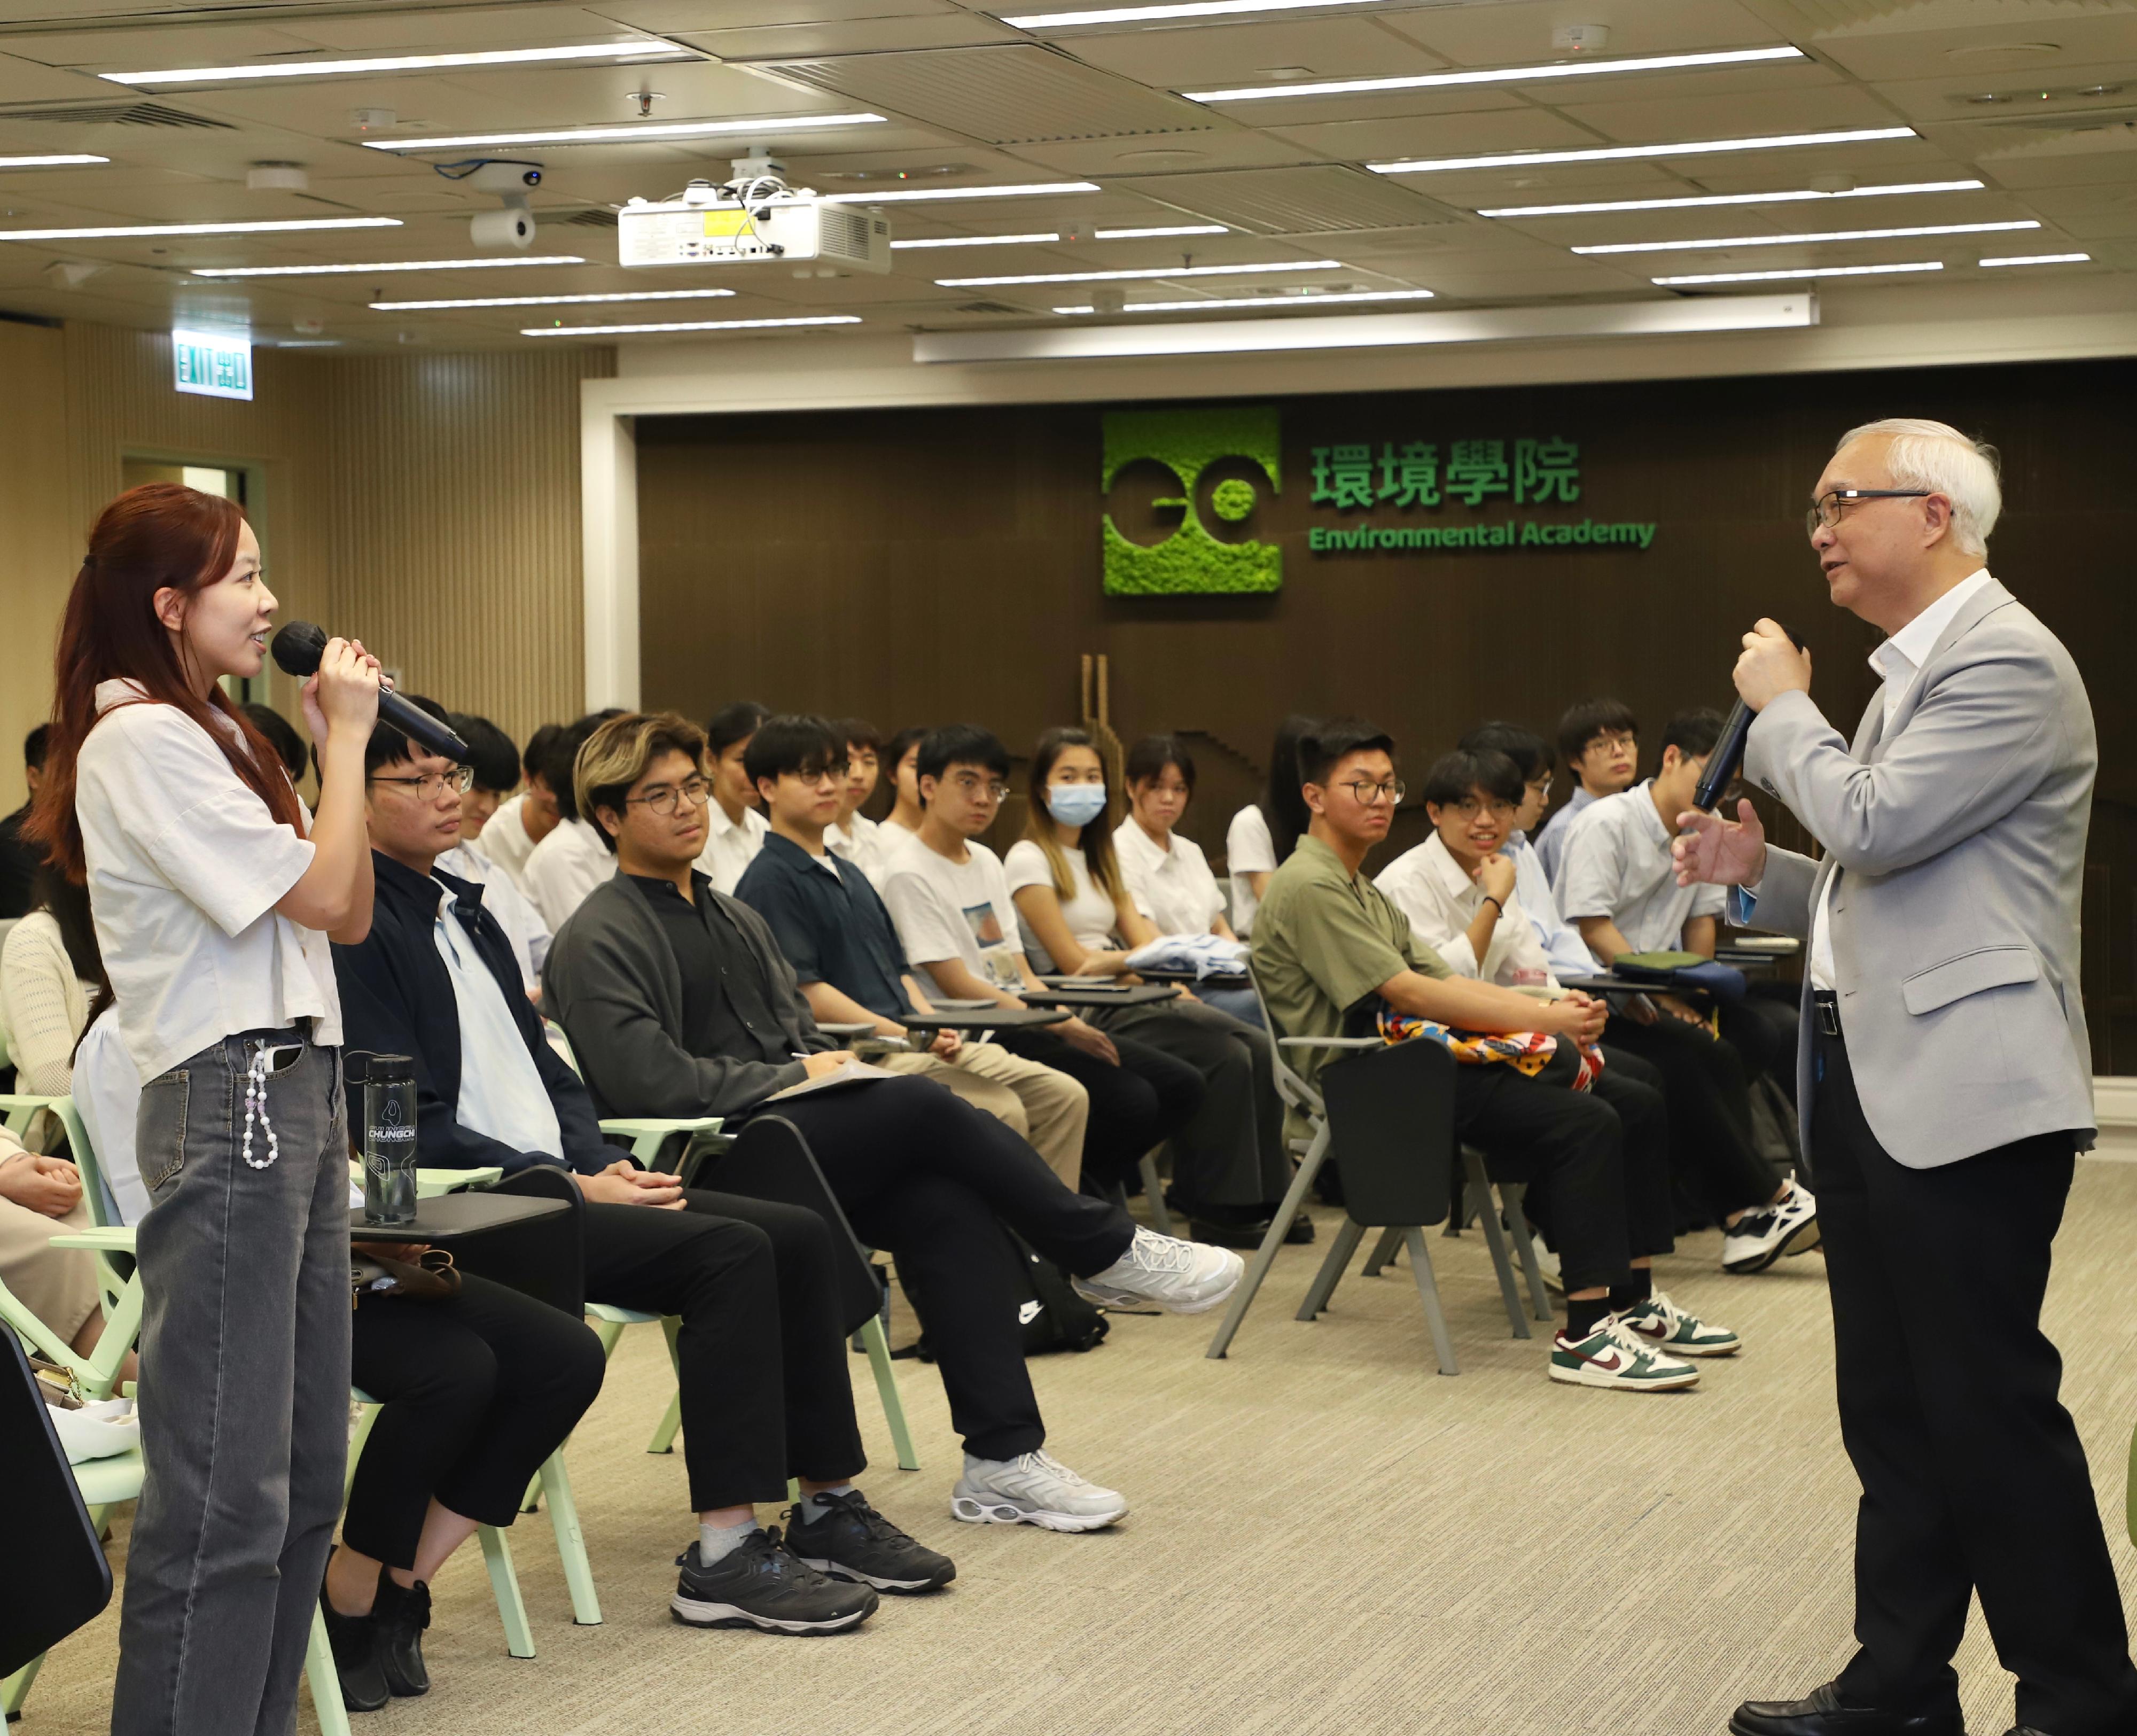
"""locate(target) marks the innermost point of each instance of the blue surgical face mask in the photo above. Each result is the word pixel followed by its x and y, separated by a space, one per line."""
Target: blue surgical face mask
pixel 1076 804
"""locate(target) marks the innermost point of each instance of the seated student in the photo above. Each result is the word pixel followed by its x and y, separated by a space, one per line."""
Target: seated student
pixel 1600 742
pixel 1263 834
pixel 947 894
pixel 570 862
pixel 41 1198
pixel 1165 873
pixel 677 1002
pixel 1616 880
pixel 901 765
pixel 735 830
pixel 1230 1169
pixel 492 768
pixel 1332 951
pixel 19 861
pixel 852 836
pixel 833 929
pixel 508 836
pixel 762 1365
pixel 52 984
pixel 1564 950
pixel 282 736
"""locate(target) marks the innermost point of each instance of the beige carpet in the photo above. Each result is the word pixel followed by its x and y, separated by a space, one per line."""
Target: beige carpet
pixel 1328 1536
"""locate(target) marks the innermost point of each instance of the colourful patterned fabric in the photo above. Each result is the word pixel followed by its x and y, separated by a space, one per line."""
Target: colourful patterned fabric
pixel 1527 1051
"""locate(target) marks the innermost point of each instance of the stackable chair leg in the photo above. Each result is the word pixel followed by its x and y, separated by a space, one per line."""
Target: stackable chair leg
pixel 1325 1281
pixel 1242 1298
pixel 15 1688
pixel 1514 1193
pixel 1495 1238
pixel 886 1386
pixel 1384 1251
pixel 555 1481
pixel 326 1686
pixel 1153 1190
pixel 497 1556
pixel 1428 1293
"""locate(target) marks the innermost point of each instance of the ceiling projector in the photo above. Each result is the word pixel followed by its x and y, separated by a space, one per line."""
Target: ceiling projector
pixel 755 219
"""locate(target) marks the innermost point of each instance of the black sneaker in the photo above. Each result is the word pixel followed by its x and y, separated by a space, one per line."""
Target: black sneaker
pixel 354 1643
pixel 761 1584
pixel 402 1613
pixel 853 1541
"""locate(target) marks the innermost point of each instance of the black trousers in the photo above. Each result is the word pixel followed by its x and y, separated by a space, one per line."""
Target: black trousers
pixel 1147 1098
pixel 1762 1028
pixel 1598 1185
pixel 1711 1153
pixel 476 1391
pixel 925 1175
pixel 1973 1475
pixel 766 1393
pixel 1231 1153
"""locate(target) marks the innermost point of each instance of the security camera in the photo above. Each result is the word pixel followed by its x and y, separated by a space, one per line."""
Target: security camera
pixel 513 227
pixel 508 179
pixel 512 182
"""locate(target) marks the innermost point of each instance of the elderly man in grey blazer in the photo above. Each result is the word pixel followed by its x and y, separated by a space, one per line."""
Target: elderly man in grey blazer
pixel 1946 1087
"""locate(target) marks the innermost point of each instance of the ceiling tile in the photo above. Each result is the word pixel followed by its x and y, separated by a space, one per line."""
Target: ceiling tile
pixel 1517 34
pixel 1342 47
pixel 853 35
pixel 1315 199
pixel 1750 114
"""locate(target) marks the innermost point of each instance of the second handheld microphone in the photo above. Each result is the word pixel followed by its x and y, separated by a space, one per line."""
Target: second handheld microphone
pixel 297 650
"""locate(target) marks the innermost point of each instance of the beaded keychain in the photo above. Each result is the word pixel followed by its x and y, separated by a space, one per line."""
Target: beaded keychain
pixel 256 1104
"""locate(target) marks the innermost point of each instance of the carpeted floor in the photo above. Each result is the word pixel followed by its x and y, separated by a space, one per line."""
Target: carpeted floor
pixel 1327 1536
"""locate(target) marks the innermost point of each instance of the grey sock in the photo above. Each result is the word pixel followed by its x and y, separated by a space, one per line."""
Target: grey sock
pixel 716 1542
pixel 813 1507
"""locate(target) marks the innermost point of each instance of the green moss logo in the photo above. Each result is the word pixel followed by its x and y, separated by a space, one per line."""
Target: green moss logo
pixel 1183 490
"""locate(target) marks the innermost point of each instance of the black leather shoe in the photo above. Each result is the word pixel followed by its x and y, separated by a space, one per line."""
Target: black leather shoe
pixel 1822 1714
pixel 354 1643
pixel 1246 1235
pixel 402 1613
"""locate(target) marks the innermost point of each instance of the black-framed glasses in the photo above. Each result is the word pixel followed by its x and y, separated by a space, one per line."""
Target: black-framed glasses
pixel 432 785
pixel 1365 793
pixel 662 797
pixel 1827 512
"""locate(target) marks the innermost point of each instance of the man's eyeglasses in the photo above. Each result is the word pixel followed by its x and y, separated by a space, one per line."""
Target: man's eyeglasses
pixel 1834 502
pixel 432 785
pixel 1367 794
pixel 662 797
pixel 1468 808
pixel 971 784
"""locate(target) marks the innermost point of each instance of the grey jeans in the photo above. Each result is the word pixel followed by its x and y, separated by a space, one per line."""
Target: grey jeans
pixel 244 1390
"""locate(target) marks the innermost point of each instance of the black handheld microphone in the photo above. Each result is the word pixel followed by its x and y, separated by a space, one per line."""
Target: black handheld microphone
pixel 1728 752
pixel 297 650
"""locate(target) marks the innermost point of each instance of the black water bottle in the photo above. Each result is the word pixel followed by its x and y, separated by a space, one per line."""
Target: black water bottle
pixel 389 1139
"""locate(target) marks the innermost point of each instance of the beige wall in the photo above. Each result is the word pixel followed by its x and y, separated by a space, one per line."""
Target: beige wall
pixel 429 504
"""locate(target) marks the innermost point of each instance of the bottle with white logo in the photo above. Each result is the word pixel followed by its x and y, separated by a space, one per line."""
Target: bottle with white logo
pixel 389 1140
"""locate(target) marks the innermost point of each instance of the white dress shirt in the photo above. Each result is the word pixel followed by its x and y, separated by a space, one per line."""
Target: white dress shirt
pixel 564 868
pixel 1550 840
pixel 1898 661
pixel 520 920
pixel 1435 892
pixel 1561 942
pixel 1249 849
pixel 502 1095
pixel 730 847
pixel 859 841
pixel 1170 883
pixel 503 841
pixel 1615 861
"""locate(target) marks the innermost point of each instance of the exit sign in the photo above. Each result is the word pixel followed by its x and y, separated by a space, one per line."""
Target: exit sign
pixel 215 364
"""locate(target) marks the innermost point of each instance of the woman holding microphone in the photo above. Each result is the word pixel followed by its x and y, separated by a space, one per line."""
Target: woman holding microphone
pixel 215 894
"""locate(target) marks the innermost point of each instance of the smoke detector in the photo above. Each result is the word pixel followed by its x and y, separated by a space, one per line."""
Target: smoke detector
pixel 1580 38
pixel 373 120
pixel 277 178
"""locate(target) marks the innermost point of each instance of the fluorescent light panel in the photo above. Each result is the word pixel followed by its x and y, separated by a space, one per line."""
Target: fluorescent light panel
pixel 1273 303
pixel 1499 74
pixel 981 240
pixel 59 160
pixel 689 325
pixel 1794 197
pixel 2036 259
pixel 1805 241
pixel 1105 14
pixel 1289 265
pixel 552 300
pixel 636 133
pixel 392 264
pixel 1135 235
pixel 1672 283
pixel 647 49
pixel 1022 189
pixel 114 231
pixel 1634 153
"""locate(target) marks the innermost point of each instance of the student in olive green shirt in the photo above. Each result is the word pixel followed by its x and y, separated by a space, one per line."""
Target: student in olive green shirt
pixel 1330 951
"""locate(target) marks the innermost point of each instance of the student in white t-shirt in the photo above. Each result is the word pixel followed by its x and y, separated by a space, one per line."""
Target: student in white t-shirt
pixel 900 760
pixel 1166 874
pixel 508 836
pixel 1230 1167
pixel 215 894
pixel 734 829
pixel 853 835
pixel 571 861
pixel 1263 834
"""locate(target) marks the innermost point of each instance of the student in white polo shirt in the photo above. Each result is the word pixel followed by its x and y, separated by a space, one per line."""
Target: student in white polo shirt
pixel 508 836
pixel 215 894
pixel 734 829
pixel 571 861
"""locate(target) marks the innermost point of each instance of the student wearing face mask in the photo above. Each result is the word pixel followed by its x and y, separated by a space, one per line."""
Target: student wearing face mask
pixel 1230 1164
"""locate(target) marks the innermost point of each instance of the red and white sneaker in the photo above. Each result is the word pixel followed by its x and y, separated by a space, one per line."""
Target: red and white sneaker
pixel 1614 1355
pixel 1660 1324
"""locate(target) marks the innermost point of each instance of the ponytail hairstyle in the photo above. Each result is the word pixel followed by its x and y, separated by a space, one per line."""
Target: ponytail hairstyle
pixel 156 537
pixel 1095 839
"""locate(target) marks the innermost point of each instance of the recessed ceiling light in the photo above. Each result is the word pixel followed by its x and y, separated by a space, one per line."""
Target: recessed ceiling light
pixel 1927 265
pixel 979 241
pixel 646 49
pixel 1137 235
pixel 1805 241
pixel 1794 197
pixel 112 231
pixel 1262 301
pixel 555 300
pixel 2036 259
pixel 392 264
pixel 638 132
pixel 689 325
pixel 1162 273
pixel 1501 75
pixel 58 160
pixel 1631 152
pixel 1021 189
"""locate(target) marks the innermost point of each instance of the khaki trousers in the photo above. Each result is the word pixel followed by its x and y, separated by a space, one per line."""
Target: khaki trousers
pixel 1046 1107
pixel 56 1284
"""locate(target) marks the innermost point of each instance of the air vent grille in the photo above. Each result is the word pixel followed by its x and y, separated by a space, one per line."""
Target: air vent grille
pixel 989 307
pixel 598 217
pixel 117 114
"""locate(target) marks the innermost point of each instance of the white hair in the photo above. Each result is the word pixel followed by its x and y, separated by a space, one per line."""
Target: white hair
pixel 1936 457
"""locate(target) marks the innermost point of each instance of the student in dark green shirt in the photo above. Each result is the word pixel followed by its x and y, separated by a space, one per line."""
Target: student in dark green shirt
pixel 1331 951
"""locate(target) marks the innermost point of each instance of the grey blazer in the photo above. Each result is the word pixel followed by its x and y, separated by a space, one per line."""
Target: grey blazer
pixel 1958 837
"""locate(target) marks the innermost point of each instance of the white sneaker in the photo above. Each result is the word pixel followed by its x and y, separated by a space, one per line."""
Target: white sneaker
pixel 1034 1489
pixel 1180 1277
pixel 1664 1326
pixel 1757 1239
pixel 1547 1264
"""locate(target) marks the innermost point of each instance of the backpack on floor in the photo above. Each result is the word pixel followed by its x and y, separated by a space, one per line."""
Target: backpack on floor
pixel 1050 1315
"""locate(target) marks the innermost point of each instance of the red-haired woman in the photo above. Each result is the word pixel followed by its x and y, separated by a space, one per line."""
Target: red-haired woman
pixel 214 895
